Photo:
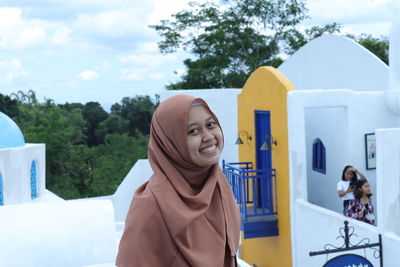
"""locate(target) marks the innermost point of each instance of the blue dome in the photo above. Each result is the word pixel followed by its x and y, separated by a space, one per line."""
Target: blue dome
pixel 10 134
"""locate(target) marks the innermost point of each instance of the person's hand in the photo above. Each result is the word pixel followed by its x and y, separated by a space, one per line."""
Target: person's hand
pixel 350 189
pixel 361 213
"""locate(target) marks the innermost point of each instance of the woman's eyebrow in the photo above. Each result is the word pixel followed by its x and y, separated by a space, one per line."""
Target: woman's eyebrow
pixel 192 124
pixel 195 123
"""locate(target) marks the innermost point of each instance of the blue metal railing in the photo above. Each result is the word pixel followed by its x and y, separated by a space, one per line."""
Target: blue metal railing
pixel 254 189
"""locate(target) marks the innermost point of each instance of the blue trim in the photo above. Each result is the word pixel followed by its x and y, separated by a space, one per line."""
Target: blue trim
pixel 263 187
pixel 1 191
pixel 319 156
pixel 256 221
pixel 33 180
pixel 262 227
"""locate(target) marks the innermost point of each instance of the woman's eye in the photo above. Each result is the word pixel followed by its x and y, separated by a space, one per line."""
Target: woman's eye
pixel 211 124
pixel 193 131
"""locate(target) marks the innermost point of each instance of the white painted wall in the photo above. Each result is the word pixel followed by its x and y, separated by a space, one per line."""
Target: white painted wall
pixel 358 113
pixel 340 118
pixel 388 173
pixel 332 62
pixel 15 168
pixel 68 233
pixel 316 227
pixel 139 174
pixel 329 124
pixel 223 102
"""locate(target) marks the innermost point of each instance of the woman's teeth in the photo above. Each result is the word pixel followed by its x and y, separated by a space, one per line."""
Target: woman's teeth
pixel 208 149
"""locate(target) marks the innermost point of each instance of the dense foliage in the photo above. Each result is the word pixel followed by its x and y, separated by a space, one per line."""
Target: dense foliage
pixel 231 39
pixel 88 151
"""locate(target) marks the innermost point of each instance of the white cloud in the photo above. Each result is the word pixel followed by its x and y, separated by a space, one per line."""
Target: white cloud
pixel 141 74
pixel 61 36
pixel 32 36
pixel 132 74
pixel 145 66
pixel 10 65
pixel 156 75
pixel 11 70
pixel 17 33
pixel 9 16
pixel 112 24
pixel 88 75
pixel 164 9
pixel 351 11
pixel 146 59
pixel 48 52
pixel 374 29
pixel 9 77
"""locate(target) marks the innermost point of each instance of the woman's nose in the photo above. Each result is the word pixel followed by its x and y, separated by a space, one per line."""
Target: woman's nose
pixel 207 136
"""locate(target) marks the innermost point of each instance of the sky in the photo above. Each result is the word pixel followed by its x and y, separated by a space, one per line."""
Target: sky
pixel 101 50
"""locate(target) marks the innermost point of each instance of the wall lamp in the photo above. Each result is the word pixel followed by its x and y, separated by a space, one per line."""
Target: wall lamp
pixel 239 141
pixel 268 142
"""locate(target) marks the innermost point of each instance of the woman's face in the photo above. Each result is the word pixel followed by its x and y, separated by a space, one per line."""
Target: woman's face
pixel 349 174
pixel 205 140
pixel 366 189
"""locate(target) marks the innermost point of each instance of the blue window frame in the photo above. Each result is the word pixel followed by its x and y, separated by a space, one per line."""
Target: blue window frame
pixel 1 191
pixel 319 156
pixel 33 180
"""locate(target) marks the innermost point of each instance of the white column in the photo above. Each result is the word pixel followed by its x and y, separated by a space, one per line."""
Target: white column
pixel 388 180
pixel 393 94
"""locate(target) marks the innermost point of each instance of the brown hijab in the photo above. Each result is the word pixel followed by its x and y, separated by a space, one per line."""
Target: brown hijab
pixel 169 222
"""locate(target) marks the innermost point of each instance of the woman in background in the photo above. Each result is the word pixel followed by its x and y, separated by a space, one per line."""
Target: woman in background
pixel 361 207
pixel 346 185
pixel 185 215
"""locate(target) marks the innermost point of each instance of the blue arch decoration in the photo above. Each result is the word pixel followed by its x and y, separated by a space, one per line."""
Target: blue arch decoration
pixel 319 156
pixel 1 191
pixel 348 260
pixel 33 180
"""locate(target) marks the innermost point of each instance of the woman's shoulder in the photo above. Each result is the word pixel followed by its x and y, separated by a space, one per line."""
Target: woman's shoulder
pixel 144 211
pixel 144 198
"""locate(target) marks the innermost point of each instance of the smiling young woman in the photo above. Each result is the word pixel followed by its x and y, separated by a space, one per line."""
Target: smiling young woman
pixel 185 215
pixel 205 141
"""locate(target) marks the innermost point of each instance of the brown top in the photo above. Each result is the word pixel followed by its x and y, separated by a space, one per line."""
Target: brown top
pixel 169 223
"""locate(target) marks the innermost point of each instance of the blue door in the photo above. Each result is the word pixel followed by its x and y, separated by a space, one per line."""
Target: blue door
pixel 263 160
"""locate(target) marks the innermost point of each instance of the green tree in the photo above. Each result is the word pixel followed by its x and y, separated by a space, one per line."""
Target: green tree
pixel 9 106
pixel 231 40
pixel 73 168
pixel 94 114
pixel 114 159
pixel 137 112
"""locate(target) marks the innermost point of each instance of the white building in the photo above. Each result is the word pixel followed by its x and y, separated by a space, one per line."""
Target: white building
pixel 356 100
pixel 39 228
pixel 342 93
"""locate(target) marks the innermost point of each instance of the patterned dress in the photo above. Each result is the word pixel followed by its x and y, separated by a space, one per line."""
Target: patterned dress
pixel 355 206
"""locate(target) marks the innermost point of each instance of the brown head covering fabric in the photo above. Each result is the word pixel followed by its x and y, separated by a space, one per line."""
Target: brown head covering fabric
pixel 171 222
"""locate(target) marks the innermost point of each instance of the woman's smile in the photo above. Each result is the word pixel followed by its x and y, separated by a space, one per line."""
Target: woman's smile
pixel 204 137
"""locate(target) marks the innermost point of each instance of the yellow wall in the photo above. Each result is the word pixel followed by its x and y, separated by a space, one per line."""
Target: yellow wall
pixel 266 89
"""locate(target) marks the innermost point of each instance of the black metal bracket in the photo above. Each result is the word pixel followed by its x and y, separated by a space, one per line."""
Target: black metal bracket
pixel 347 245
